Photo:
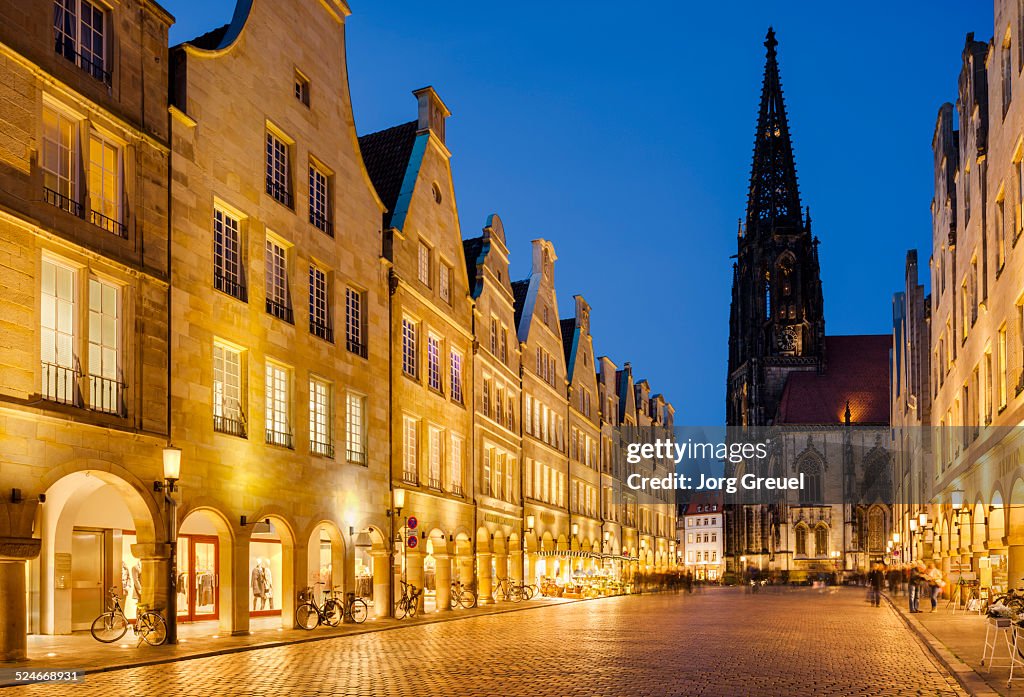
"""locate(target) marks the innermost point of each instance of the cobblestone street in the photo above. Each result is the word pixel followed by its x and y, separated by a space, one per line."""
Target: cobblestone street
pixel 720 642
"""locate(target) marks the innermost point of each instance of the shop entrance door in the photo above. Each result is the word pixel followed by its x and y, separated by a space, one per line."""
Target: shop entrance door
pixel 88 582
pixel 198 578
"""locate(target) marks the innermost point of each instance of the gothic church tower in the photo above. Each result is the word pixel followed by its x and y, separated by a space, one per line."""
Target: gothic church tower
pixel 777 322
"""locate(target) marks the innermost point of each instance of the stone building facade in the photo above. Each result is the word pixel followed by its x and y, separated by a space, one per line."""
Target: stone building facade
pixel 84 152
pixel 971 517
pixel 202 257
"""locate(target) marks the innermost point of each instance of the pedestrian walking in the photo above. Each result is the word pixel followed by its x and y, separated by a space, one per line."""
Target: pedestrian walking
pixel 914 587
pixel 875 580
pixel 933 577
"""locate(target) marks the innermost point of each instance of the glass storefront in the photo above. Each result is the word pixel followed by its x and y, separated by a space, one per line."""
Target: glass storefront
pixel 264 572
pixel 198 577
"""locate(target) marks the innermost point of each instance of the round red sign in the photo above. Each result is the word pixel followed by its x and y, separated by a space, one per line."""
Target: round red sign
pixel 412 522
pixel 413 541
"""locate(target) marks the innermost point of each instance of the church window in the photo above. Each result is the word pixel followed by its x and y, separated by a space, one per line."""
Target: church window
pixel 801 540
pixel 811 493
pixel 820 541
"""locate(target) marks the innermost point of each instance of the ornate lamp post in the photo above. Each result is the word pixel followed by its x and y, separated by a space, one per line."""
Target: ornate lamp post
pixel 172 473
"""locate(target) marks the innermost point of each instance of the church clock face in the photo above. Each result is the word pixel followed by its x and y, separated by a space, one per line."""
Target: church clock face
pixel 787 339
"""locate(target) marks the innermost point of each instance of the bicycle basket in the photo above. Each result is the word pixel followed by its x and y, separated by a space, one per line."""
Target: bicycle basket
pixel 306 594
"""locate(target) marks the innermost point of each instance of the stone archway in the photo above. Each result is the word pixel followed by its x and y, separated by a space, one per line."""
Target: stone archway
pixel 273 563
pixel 209 585
pixel 93 522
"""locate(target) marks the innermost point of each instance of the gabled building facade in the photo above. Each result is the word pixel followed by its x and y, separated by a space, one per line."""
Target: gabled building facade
pixel 279 321
pixel 431 352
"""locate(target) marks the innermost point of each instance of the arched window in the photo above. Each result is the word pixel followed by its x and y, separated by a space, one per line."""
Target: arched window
pixel 876 529
pixel 801 540
pixel 821 541
pixel 810 467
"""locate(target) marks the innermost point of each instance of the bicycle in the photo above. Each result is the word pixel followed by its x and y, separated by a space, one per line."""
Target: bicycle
pixel 462 595
pixel 409 604
pixel 356 609
pixel 530 591
pixel 110 626
pixel 309 615
pixel 506 590
pixel 1013 599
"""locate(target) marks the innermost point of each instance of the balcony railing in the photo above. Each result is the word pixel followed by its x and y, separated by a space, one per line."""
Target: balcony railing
pixel 61 384
pixel 94 67
pixel 230 286
pixel 321 448
pixel 358 456
pixel 434 483
pixel 409 477
pixel 457 489
pixel 321 222
pixel 65 203
pixel 279 192
pixel 111 225
pixel 321 330
pixel 355 347
pixel 107 395
pixel 231 425
pixel 280 310
pixel 282 438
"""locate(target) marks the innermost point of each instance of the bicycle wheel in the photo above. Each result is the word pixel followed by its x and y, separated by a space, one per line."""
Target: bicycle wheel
pixel 414 606
pixel 517 594
pixel 359 610
pixel 467 599
pixel 109 627
pixel 529 592
pixel 307 617
pixel 401 608
pixel 153 628
pixel 334 613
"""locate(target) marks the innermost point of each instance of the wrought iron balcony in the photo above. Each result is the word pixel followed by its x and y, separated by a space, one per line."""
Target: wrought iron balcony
pixel 457 489
pixel 321 330
pixel 321 222
pixel 409 477
pixel 61 384
pixel 280 310
pixel 111 225
pixel 94 67
pixel 358 456
pixel 434 483
pixel 232 425
pixel 321 448
pixel 279 192
pixel 230 286
pixel 107 395
pixel 65 203
pixel 356 347
pixel 282 438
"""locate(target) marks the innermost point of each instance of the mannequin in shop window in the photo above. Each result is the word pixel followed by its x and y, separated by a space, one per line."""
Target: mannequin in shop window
pixel 126 579
pixel 268 585
pixel 262 585
pixel 137 580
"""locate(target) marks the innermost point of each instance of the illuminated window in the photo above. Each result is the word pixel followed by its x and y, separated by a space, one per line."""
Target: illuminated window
pixel 320 418
pixel 319 304
pixel 105 385
pixel 60 161
pixel 278 169
pixel 410 470
pixel 278 301
pixel 278 407
pixel 228 391
pixel 456 376
pixel 455 458
pixel 409 337
pixel 355 428
pixel 227 255
pixel 58 332
pixel 105 184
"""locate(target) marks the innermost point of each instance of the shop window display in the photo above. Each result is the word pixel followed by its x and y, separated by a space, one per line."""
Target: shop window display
pixel 264 574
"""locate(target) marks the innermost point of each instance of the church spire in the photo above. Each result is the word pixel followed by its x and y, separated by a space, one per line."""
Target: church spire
pixel 773 204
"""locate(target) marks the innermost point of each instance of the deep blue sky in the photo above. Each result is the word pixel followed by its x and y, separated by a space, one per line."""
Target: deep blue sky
pixel 624 133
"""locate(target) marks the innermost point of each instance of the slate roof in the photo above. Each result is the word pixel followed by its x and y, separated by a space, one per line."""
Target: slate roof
pixel 211 39
pixel 700 499
pixel 568 329
pixel 472 248
pixel 857 371
pixel 519 291
pixel 386 155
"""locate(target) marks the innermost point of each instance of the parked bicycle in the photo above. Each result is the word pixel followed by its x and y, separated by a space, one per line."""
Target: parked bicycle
pixel 462 595
pixel 506 590
pixel 409 604
pixel 530 591
pixel 356 609
pixel 1013 598
pixel 149 625
pixel 310 615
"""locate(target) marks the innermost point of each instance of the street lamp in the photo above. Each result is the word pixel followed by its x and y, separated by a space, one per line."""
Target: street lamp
pixel 172 473
pixel 397 504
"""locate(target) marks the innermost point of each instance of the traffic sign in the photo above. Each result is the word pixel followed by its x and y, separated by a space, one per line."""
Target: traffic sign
pixel 413 541
pixel 411 523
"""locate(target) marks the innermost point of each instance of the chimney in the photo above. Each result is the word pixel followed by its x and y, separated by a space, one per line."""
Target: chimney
pixel 432 112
